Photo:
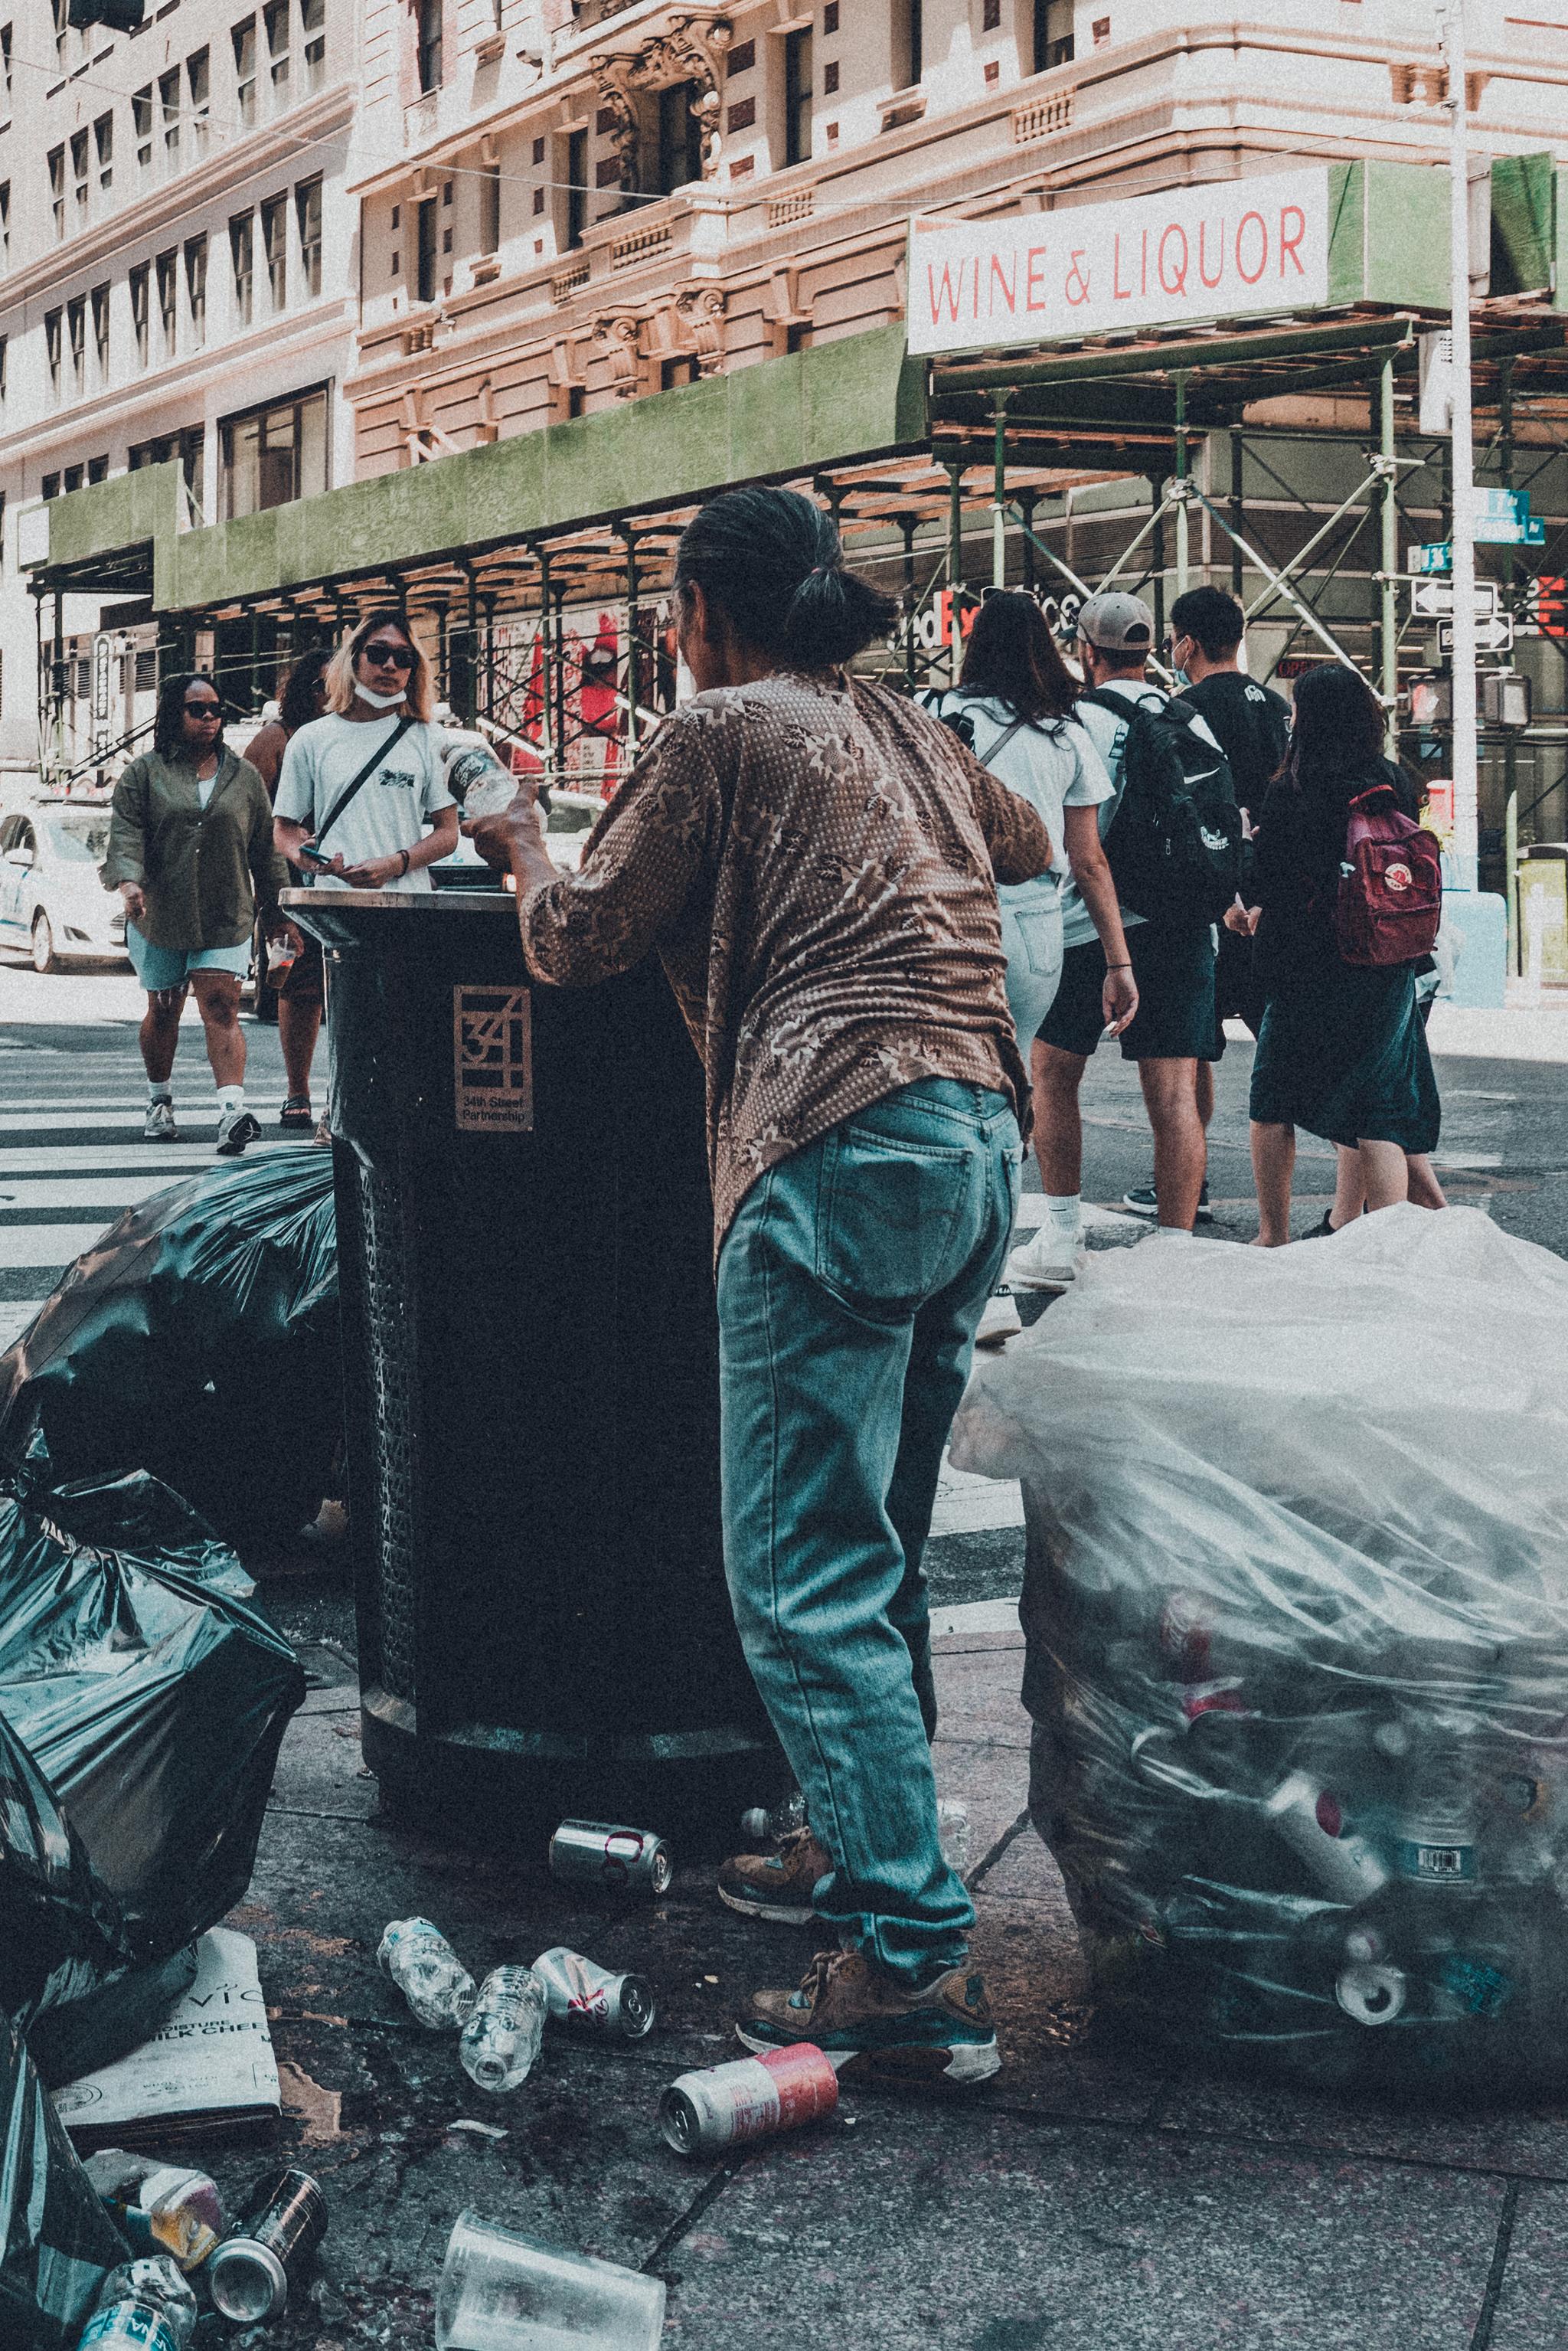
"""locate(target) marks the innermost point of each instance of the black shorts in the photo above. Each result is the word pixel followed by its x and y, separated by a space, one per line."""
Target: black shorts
pixel 1175 1021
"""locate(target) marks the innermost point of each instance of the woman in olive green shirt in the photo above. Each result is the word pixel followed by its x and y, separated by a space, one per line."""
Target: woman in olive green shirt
pixel 190 850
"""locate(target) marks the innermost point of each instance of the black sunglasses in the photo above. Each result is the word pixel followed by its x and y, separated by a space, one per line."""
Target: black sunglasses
pixel 206 708
pixel 387 655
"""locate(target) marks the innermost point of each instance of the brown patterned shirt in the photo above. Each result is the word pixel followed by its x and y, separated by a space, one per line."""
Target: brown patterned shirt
pixel 816 865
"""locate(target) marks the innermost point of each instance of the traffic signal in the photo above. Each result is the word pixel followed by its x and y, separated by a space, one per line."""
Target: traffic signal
pixel 118 15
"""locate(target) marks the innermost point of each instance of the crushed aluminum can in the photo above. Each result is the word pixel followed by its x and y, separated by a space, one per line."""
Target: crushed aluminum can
pixel 725 2105
pixel 1312 1821
pixel 579 1992
pixel 1371 1995
pixel 249 2276
pixel 599 1853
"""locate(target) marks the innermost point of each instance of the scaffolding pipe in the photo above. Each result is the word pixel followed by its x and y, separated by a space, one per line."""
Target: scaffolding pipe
pixel 1183 552
pixel 999 498
pixel 1388 613
pixel 955 568
pixel 1462 428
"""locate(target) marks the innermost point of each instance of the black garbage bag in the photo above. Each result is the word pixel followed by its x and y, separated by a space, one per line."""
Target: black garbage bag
pixel 151 1696
pixel 57 2243
pixel 198 1341
pixel 62 1933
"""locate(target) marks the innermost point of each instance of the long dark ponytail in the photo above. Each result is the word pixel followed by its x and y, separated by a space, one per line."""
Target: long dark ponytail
pixel 769 561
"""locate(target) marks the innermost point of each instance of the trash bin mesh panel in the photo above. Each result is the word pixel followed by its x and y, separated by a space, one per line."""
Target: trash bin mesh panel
pixel 389 1355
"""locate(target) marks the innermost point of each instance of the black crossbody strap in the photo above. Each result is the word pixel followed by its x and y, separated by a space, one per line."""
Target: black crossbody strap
pixel 382 751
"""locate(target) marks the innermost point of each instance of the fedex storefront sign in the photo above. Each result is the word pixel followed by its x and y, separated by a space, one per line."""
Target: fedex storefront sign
pixel 1194 254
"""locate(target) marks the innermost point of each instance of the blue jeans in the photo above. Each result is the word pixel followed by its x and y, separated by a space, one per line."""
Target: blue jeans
pixel 849 1287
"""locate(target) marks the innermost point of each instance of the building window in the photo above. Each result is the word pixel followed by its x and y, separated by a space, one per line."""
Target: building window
pixel 490 208
pixel 576 187
pixel 680 137
pixel 430 16
pixel 58 188
pixel 139 308
pixel 62 25
pixel 4 223
pixel 53 324
pixel 831 16
pixel 188 449
pixel 100 330
pixel 241 254
pixel 5 341
pixel 1052 34
pixel 990 15
pixel 313 26
pixel 167 266
pixel 196 289
pixel 169 117
pixel 271 457
pixel 103 141
pixel 76 328
pixel 908 42
pixel 72 479
pixel 275 248
pixel 199 81
pixel 98 469
pixel 274 17
pixel 50 487
pixel 428 247
pixel 798 96
pixel 6 57
pixel 243 38
pixel 141 127
pixel 307 213
pixel 80 175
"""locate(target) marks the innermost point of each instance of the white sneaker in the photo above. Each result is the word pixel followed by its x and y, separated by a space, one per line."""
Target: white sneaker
pixel 235 1129
pixel 1050 1261
pixel 159 1125
pixel 1000 1319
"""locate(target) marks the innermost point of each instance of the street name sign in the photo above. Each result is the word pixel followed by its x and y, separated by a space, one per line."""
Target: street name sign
pixel 1186 255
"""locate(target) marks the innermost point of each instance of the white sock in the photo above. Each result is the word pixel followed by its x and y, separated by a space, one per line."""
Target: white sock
pixel 1173 1232
pixel 230 1098
pixel 160 1090
pixel 1065 1214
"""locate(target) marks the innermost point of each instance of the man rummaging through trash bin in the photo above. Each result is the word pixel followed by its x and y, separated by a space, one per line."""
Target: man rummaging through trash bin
pixel 816 862
pixel 190 850
pixel 359 785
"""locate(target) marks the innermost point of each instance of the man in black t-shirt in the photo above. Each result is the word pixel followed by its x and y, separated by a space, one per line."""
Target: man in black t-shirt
pixel 1253 726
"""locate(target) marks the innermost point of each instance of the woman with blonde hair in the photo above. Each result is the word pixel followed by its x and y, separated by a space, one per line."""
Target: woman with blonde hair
pixel 361 784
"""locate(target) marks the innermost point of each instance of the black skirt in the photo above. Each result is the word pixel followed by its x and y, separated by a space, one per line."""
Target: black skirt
pixel 1341 1052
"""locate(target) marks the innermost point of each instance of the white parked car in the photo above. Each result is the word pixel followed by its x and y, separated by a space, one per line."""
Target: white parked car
pixel 51 900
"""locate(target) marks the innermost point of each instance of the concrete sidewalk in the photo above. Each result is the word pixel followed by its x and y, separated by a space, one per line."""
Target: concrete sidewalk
pixel 1091 2198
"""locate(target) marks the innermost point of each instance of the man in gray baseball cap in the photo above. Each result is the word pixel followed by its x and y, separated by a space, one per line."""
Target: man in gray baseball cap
pixel 1168 986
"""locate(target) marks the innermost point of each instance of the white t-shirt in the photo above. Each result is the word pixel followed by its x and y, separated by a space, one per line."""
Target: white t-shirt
pixel 1053 765
pixel 392 807
pixel 1110 734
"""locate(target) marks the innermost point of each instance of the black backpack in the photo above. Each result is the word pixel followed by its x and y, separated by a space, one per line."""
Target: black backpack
pixel 1174 846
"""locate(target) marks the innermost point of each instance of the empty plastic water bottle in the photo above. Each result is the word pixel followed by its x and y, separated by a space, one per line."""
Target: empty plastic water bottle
pixel 761 1827
pixel 502 2036
pixel 144 2305
pixel 428 1972
pixel 953 1828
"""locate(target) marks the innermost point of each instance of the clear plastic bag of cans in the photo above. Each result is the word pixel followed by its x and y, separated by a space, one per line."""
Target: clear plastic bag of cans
pixel 1297 1608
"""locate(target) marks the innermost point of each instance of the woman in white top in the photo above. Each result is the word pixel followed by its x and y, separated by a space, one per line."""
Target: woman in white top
pixel 378 697
pixel 1013 705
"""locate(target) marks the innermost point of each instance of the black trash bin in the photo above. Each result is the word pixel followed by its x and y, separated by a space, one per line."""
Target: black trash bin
pixel 531 1376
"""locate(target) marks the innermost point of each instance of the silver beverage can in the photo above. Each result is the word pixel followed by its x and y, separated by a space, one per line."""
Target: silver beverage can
pixel 579 1993
pixel 725 2105
pixel 250 2273
pixel 599 1853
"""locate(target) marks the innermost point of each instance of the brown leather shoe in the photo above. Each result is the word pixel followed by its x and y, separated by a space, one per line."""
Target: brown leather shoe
pixel 777 1885
pixel 869 2023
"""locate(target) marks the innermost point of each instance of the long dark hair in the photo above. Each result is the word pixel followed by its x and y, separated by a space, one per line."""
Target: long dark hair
pixel 302 698
pixel 1338 728
pixel 769 561
pixel 1011 657
pixel 169 724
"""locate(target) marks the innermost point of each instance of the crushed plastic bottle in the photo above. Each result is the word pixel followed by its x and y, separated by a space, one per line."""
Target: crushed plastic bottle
pixel 762 1828
pixel 502 2036
pixel 953 1828
pixel 144 2305
pixel 158 2206
pixel 428 1972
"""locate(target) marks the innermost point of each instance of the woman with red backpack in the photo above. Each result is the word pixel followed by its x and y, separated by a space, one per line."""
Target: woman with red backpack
pixel 1348 895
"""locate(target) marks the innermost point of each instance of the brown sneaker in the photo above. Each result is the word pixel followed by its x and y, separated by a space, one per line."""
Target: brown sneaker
pixel 777 1885
pixel 867 2022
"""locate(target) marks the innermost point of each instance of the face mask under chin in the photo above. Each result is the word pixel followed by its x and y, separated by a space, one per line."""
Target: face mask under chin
pixel 379 700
